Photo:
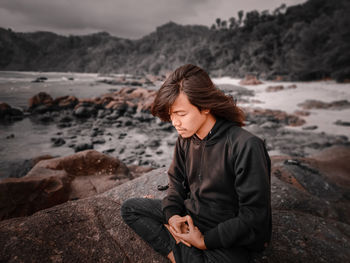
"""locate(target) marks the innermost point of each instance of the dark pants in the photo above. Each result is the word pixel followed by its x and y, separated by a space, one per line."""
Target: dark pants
pixel 146 218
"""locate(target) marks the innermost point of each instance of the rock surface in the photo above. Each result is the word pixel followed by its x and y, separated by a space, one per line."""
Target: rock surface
pixel 57 180
pixel 317 104
pixel 9 113
pixel 310 221
pixel 250 80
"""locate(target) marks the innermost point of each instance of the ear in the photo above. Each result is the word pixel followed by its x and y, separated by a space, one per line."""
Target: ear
pixel 205 111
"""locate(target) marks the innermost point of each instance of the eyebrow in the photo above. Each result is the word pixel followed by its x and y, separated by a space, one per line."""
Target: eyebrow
pixel 176 111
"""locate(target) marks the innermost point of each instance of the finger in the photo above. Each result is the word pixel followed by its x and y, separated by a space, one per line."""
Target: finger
pixel 177 240
pixel 181 236
pixel 184 228
pixel 185 242
pixel 172 230
pixel 190 223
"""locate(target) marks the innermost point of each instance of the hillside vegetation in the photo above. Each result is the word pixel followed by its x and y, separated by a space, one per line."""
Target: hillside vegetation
pixel 303 42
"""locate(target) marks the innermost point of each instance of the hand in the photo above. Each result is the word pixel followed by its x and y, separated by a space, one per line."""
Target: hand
pixel 194 236
pixel 178 224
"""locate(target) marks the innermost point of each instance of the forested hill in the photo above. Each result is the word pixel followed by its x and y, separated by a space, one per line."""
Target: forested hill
pixel 303 42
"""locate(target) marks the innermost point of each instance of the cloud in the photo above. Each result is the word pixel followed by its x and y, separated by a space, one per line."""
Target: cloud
pixel 123 18
pixel 130 18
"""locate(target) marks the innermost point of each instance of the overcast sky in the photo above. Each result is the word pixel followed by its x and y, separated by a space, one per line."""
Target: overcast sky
pixel 122 18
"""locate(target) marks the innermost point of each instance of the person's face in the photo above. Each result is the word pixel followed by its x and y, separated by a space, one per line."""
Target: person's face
pixel 186 118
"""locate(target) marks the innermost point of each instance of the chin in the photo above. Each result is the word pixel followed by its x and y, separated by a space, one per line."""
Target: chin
pixel 185 135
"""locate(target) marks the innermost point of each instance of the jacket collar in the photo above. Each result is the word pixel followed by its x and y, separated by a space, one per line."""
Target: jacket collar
pixel 219 129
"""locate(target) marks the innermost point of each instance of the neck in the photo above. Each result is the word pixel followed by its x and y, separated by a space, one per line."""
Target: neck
pixel 206 127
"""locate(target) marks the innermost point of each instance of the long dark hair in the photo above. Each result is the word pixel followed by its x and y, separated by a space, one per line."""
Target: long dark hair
pixel 200 91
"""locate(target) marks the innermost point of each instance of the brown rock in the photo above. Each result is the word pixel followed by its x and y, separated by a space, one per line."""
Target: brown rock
pixel 92 172
pixel 317 104
pixel 66 102
pixel 250 80
pixel 293 86
pixel 317 185
pixel 87 162
pixel 115 105
pixel 57 180
pixel 275 115
pixel 274 88
pixel 139 98
pixel 26 195
pixel 89 230
pixel 301 113
pixel 5 110
pixel 9 113
pixel 41 98
pixel 334 164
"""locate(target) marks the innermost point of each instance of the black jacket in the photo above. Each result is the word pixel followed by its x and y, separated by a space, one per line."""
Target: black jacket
pixel 223 182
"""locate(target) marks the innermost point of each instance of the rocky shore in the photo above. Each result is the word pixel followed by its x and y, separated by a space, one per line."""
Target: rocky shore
pixel 310 219
pixel 51 201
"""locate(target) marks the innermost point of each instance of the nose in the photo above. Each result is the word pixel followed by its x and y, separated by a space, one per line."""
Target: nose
pixel 175 121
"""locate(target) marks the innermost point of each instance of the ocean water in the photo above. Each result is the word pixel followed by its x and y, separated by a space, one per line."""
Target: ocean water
pixel 17 87
pixel 31 138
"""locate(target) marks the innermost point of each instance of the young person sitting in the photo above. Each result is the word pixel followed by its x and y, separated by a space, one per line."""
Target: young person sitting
pixel 217 207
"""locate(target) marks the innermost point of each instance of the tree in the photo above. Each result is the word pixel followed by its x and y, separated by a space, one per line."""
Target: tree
pixel 218 23
pixel 251 20
pixel 233 23
pixel 223 24
pixel 240 17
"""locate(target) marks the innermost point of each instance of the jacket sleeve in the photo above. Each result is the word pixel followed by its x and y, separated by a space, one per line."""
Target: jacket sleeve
pixel 173 203
pixel 252 225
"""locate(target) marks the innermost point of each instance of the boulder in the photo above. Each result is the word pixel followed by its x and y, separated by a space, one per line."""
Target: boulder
pixel 317 104
pixel 66 102
pixel 21 169
pixel 5 110
pixel 83 146
pixel 342 123
pixel 250 80
pixel 56 180
pixel 26 195
pixel 274 88
pixel 84 112
pixel 259 115
pixel 10 113
pixel 41 98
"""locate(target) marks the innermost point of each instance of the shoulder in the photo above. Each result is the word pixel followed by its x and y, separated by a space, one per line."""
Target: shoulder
pixel 240 138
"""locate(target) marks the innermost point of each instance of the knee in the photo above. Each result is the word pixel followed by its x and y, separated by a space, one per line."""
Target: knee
pixel 128 208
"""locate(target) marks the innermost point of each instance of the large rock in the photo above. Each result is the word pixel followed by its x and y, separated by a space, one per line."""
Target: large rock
pixel 92 172
pixel 259 115
pixel 41 99
pixel 317 104
pixel 10 113
pixel 250 80
pixel 24 196
pixel 66 102
pixel 87 230
pixel 91 229
pixel 57 180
